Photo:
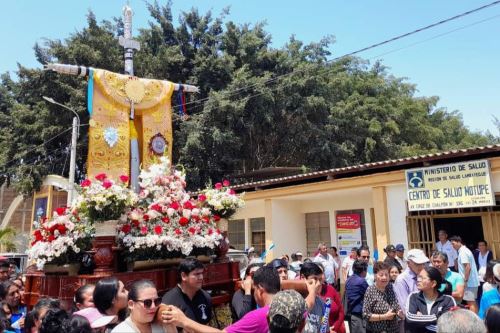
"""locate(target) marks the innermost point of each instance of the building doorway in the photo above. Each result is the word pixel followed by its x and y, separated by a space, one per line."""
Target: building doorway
pixel 469 228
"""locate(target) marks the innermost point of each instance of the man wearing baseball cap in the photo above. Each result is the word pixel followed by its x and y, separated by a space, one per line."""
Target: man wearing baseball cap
pixel 287 312
pixel 400 255
pixel 406 283
pixel 390 250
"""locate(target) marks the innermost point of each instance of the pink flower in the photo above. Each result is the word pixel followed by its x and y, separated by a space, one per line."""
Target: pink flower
pixel 175 205
pixel 165 219
pixel 178 232
pixel 85 183
pixel 232 192
pixel 124 178
pixel 210 231
pixel 144 230
pixel 226 183
pixel 202 197
pixel 218 186
pixel 100 177
pixel 158 230
pixel 145 217
pixel 107 184
pixel 192 230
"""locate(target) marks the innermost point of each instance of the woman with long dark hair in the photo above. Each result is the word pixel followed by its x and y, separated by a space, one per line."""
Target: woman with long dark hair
pixel 110 298
pixel 425 306
pixel 143 303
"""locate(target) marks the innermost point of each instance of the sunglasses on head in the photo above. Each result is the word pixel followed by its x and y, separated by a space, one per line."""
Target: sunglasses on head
pixel 149 302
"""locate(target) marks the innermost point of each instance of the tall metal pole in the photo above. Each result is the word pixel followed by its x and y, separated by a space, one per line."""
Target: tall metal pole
pixel 129 45
pixel 72 163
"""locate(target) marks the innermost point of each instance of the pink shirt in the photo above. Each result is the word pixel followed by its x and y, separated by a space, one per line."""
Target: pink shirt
pixel 253 322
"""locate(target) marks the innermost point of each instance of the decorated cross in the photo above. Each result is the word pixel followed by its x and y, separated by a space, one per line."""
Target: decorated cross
pixel 130 117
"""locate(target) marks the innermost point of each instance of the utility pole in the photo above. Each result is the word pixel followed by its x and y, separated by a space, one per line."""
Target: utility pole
pixel 72 163
pixel 74 138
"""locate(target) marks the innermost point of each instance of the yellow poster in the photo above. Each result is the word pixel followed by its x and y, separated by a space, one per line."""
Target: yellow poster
pixel 458 185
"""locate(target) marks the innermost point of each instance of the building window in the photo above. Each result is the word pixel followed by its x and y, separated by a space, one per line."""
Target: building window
pixel 317 231
pixel 258 234
pixel 236 234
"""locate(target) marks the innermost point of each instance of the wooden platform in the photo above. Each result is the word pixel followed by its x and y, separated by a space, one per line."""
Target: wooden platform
pixel 219 278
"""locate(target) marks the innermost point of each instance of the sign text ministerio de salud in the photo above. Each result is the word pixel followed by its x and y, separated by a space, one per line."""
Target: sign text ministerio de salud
pixel 458 185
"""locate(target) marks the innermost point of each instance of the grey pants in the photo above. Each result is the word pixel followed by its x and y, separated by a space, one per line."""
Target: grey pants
pixel 357 324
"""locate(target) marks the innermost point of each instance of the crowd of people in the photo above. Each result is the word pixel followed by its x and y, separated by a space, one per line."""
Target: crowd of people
pixel 453 289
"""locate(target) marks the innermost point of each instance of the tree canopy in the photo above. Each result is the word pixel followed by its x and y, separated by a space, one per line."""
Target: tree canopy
pixel 259 106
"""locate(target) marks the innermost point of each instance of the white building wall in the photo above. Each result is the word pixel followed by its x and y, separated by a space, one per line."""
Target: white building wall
pixel 342 200
pixel 495 181
pixel 396 211
pixel 288 228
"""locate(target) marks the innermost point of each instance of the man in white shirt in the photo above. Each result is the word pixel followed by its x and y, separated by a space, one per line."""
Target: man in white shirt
pixel 467 268
pixel 445 246
pixel 347 264
pixel 329 264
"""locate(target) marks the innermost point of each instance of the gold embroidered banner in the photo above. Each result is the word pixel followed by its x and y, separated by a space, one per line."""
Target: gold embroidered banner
pixel 110 131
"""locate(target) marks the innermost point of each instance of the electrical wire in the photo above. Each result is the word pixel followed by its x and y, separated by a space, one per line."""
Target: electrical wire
pixel 6 164
pixel 387 41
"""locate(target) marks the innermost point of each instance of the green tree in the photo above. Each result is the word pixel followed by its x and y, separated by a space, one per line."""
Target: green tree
pixel 6 240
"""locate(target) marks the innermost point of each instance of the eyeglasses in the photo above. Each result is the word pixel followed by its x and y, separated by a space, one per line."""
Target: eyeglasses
pixel 149 302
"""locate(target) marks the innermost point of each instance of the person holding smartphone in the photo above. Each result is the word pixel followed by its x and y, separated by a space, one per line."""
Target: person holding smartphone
pixel 380 307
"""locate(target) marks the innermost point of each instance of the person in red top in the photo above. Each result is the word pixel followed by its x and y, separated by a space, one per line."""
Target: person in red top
pixel 336 318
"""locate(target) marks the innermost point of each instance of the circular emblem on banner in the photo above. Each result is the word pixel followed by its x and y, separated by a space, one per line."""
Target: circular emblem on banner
pixel 134 89
pixel 158 144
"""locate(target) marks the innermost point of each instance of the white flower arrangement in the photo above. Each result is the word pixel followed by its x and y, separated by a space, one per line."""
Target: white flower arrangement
pixel 60 240
pixel 104 199
pixel 222 200
pixel 166 222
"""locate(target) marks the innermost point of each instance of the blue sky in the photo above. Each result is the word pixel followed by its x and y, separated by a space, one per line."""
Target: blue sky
pixel 460 67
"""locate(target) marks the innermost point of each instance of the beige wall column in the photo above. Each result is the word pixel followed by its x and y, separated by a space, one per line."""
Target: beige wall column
pixel 381 218
pixel 268 203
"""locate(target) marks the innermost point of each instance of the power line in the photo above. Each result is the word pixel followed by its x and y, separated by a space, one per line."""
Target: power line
pixel 437 36
pixel 40 145
pixel 387 41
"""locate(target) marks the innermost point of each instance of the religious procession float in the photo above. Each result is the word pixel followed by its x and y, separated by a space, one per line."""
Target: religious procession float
pixel 127 221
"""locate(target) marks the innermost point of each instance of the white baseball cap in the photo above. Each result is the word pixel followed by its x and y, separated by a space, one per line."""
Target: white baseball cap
pixel 417 256
pixel 299 254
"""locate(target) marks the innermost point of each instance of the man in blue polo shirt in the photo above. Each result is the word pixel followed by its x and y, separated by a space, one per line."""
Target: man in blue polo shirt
pixel 355 289
pixel 491 296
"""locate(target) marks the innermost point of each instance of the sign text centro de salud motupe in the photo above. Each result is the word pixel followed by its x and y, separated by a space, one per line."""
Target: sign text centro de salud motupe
pixel 458 185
